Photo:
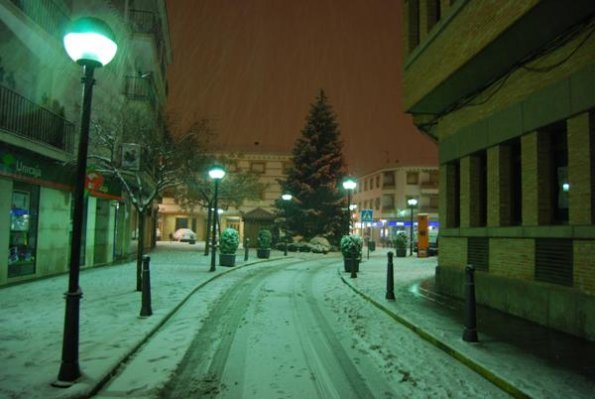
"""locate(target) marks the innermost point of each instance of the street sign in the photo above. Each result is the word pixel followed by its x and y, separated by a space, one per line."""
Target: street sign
pixel 366 215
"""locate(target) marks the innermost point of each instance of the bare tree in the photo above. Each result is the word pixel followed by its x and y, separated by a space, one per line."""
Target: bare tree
pixel 147 156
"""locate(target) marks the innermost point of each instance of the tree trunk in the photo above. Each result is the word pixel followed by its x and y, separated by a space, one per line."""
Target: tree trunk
pixel 140 249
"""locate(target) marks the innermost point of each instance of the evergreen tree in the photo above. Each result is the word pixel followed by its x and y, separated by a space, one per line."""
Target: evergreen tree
pixel 318 205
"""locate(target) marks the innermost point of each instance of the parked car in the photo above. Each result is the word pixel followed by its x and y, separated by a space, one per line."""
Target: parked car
pixel 185 235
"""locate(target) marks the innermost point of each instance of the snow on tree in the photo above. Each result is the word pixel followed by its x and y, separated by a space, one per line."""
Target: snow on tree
pixel 147 156
pixel 318 205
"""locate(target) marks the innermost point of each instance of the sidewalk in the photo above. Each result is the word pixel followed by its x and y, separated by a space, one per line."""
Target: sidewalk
pixel 522 358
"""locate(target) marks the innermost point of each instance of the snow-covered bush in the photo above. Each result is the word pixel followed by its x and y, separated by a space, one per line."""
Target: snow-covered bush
pixel 351 246
pixel 230 241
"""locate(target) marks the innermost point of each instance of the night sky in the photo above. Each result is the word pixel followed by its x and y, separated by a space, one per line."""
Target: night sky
pixel 255 66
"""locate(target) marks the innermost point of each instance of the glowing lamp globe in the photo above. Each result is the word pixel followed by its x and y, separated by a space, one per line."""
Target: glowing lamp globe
pixel 412 202
pixel 349 184
pixel 217 172
pixel 286 197
pixel 90 41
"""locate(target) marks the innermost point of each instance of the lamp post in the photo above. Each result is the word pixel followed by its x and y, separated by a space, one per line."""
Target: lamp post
pixel 286 197
pixel 216 173
pixel 90 43
pixel 349 184
pixel 412 202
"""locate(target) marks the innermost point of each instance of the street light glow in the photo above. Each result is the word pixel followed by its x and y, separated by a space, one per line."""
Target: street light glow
pixel 217 172
pixel 412 202
pixel 90 40
pixel 286 197
pixel 349 184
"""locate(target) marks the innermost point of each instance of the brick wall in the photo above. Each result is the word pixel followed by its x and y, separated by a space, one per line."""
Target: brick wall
pixel 529 166
pixel 584 266
pixel 512 257
pixel 456 256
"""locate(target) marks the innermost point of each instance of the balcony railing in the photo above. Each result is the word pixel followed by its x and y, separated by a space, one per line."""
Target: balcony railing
pixel 25 118
pixel 45 13
pixel 146 22
pixel 140 89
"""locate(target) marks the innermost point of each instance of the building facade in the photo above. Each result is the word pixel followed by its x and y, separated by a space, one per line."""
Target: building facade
pixel 250 216
pixel 40 105
pixel 507 89
pixel 385 192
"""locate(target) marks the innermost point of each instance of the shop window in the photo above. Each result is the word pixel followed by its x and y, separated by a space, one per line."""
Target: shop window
pixel 412 177
pixel 22 243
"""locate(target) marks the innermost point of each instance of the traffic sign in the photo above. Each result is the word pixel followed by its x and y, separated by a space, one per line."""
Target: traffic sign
pixel 366 215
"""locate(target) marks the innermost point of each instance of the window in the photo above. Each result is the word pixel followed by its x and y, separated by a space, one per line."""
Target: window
pixel 377 204
pixel 365 185
pixel 515 183
pixel 181 223
pixel 592 158
pixel 553 171
pixel 413 24
pixel 258 167
pixel 388 202
pixel 434 12
pixel 378 181
pixel 22 241
pixel 412 177
pixel 453 192
pixel 388 179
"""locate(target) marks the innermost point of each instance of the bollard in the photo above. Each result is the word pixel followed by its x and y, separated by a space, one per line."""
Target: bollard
pixel 285 249
pixel 390 280
pixel 470 333
pixel 246 249
pixel 354 266
pixel 146 288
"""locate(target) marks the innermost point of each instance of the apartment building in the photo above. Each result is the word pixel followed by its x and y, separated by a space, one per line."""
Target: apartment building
pixel 250 216
pixel 508 90
pixel 386 191
pixel 40 105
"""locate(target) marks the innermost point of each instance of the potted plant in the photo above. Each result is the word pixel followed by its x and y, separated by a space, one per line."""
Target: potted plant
pixel 351 248
pixel 401 245
pixel 228 245
pixel 265 239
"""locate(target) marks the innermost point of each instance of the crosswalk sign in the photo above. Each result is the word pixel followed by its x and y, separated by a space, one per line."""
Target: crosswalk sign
pixel 367 215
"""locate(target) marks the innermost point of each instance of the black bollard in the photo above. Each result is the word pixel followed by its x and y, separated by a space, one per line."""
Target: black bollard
pixel 246 249
pixel 390 279
pixel 354 267
pixel 146 288
pixel 470 333
pixel 285 248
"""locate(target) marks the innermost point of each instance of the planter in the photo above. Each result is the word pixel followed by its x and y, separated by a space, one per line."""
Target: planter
pixel 228 260
pixel 263 253
pixel 401 252
pixel 349 262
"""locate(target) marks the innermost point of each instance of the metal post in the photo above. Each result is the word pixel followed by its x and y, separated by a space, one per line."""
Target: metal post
pixel 285 247
pixel 470 333
pixel 246 249
pixel 214 237
pixel 390 279
pixel 69 368
pixel 411 234
pixel 146 295
pixel 208 228
pixel 349 211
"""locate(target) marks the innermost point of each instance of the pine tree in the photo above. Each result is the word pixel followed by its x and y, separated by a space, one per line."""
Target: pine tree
pixel 318 205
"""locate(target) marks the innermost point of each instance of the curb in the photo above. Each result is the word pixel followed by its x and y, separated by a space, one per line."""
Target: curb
pixel 459 356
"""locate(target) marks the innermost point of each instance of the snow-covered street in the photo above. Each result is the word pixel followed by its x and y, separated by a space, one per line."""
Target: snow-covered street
pixel 286 328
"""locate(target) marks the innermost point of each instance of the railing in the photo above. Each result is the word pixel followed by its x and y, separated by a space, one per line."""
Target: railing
pixel 146 22
pixel 45 13
pixel 25 118
pixel 140 89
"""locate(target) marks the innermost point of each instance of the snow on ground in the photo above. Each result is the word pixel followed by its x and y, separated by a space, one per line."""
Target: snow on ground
pixel 32 314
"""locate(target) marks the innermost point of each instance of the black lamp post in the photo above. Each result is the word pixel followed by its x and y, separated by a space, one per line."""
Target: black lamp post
pixel 216 173
pixel 90 43
pixel 349 184
pixel 286 197
pixel 412 202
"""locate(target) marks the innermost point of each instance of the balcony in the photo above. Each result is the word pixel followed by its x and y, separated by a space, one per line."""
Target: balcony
pixel 45 13
pixel 146 22
pixel 23 117
pixel 140 89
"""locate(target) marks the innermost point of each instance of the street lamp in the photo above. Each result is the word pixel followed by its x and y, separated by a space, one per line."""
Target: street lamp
pixel 349 184
pixel 90 43
pixel 412 202
pixel 216 173
pixel 286 197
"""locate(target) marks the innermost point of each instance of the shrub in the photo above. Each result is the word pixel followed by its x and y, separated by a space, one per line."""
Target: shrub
pixel 401 241
pixel 351 246
pixel 230 241
pixel 264 239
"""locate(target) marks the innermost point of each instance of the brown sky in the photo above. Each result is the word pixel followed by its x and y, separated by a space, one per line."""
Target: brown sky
pixel 255 66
